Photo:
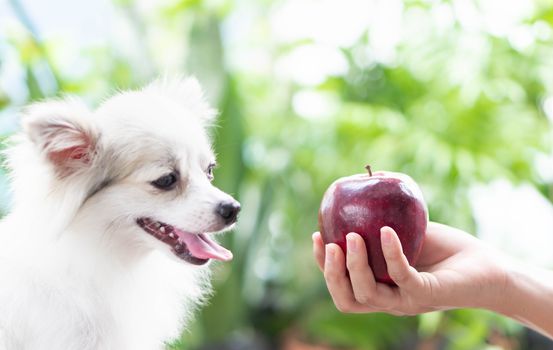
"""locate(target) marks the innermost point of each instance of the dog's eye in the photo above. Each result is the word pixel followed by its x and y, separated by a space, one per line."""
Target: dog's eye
pixel 209 171
pixel 166 182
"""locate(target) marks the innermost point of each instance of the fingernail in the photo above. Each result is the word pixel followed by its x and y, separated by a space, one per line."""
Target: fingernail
pixel 385 237
pixel 329 253
pixel 352 244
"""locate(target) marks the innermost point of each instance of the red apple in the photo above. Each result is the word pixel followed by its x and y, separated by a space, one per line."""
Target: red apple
pixel 364 203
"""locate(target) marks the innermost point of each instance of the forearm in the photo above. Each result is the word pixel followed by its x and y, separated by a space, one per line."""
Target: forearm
pixel 529 298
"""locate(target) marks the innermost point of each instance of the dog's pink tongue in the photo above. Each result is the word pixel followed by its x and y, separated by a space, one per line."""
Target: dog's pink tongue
pixel 202 247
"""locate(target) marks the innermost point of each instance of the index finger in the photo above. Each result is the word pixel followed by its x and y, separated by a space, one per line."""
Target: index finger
pixel 404 275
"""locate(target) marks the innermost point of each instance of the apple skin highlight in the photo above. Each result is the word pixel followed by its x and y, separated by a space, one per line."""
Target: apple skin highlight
pixel 364 203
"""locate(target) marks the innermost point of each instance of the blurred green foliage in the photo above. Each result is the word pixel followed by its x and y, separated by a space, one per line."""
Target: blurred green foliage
pixel 455 107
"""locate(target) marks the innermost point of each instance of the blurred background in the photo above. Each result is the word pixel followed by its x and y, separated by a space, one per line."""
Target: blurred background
pixel 457 93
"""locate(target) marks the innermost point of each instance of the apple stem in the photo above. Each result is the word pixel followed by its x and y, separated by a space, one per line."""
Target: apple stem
pixel 368 167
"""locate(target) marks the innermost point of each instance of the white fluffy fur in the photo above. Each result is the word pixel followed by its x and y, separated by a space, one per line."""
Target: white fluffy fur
pixel 76 272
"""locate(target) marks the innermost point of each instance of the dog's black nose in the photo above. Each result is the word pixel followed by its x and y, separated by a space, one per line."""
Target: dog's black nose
pixel 228 211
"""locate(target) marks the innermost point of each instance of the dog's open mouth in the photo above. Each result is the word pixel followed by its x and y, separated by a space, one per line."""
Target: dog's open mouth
pixel 196 249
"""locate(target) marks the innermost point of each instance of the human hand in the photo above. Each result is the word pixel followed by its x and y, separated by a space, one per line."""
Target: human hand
pixel 454 270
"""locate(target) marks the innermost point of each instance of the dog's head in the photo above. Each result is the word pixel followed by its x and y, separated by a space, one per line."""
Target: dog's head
pixel 144 163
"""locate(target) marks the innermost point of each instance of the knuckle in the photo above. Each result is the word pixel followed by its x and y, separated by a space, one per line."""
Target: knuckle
pixel 353 265
pixel 363 298
pixel 399 276
pixel 344 308
pixel 330 275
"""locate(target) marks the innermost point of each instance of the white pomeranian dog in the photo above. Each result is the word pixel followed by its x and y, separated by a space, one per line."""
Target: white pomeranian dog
pixel 113 219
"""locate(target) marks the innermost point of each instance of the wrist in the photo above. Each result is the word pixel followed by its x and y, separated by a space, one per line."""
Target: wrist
pixel 528 297
pixel 521 292
pixel 502 286
pixel 504 300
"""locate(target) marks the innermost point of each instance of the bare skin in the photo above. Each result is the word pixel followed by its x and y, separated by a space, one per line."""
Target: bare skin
pixel 455 270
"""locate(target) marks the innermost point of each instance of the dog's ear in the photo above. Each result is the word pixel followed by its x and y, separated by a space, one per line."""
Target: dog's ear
pixel 63 132
pixel 186 92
